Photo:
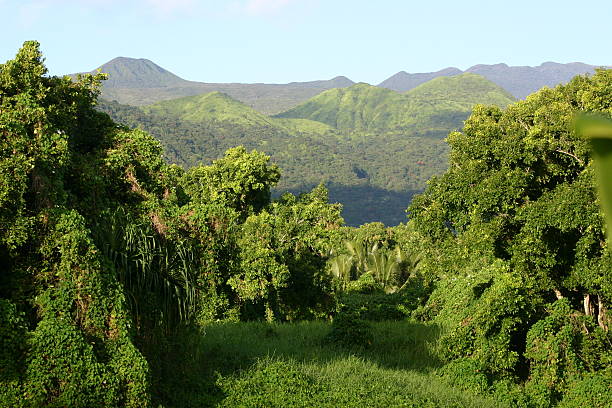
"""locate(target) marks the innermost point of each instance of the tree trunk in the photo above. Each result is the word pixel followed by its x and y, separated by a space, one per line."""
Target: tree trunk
pixel 589 308
pixel 558 293
pixel 602 316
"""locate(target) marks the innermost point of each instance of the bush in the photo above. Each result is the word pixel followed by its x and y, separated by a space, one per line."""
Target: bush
pixel 270 384
pixel 593 390
pixel 365 284
pixel 466 374
pixel 348 330
pixel 377 306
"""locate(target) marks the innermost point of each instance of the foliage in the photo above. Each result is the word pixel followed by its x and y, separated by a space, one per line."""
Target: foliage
pixel 593 390
pixel 379 306
pixel 515 227
pixel 111 255
pixel 271 384
pixel 599 132
pixel 349 330
pixel 77 346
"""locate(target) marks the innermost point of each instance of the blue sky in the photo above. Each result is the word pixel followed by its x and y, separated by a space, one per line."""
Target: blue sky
pixel 279 41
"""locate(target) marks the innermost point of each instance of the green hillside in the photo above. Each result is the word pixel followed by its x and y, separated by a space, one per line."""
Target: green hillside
pixel 360 106
pixel 460 90
pixel 220 107
pixel 441 103
pixel 356 166
pixel 373 147
pixel 211 106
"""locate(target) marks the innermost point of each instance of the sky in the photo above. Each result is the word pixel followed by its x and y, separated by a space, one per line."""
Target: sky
pixel 279 41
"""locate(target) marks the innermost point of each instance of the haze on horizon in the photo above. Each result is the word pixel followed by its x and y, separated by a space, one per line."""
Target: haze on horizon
pixel 279 41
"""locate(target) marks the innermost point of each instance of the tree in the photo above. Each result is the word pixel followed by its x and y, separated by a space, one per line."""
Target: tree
pixel 519 195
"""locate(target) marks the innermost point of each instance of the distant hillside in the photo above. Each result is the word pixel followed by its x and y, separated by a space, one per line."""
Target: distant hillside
pixel 403 81
pixel 140 82
pixel 337 82
pixel 441 104
pixel 522 81
pixel 519 81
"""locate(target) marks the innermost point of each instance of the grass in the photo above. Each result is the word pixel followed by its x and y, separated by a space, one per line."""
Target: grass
pixel 282 365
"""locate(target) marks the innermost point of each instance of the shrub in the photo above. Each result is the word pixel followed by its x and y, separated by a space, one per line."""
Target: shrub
pixel 594 390
pixel 466 374
pixel 365 284
pixel 349 330
pixel 270 384
pixel 377 306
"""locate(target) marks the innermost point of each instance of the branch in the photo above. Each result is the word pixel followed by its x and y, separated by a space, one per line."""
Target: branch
pixel 571 155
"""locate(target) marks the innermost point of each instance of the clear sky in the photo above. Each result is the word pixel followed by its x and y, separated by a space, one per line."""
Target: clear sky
pixel 280 41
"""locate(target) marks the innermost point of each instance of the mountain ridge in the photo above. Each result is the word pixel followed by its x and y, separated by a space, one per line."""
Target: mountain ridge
pixel 139 82
pixel 520 81
pixel 367 107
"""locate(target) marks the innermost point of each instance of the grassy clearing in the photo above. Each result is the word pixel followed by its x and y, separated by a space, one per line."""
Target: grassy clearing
pixel 285 365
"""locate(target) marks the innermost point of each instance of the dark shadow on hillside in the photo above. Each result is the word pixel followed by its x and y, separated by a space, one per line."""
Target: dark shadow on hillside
pixel 366 203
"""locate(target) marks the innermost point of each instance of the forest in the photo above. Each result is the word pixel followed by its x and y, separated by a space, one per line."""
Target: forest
pixel 373 148
pixel 130 281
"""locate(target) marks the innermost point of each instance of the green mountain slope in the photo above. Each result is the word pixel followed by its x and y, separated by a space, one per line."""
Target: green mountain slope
pixel 460 90
pixel 211 106
pixel 356 166
pixel 441 103
pixel 374 148
pixel 220 107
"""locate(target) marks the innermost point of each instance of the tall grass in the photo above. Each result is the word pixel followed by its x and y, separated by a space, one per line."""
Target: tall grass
pixel 283 365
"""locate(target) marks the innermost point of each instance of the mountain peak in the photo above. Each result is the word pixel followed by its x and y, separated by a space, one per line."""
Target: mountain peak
pixel 125 72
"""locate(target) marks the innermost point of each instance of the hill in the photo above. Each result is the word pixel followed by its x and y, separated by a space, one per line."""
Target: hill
pixel 520 81
pixel 441 103
pixel 141 82
pixel 343 137
pixel 354 165
pixel 211 106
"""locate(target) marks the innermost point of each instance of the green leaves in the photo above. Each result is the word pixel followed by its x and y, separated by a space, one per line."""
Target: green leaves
pixel 599 132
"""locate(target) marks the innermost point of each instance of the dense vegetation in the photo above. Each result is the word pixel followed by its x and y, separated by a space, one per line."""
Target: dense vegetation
pixel 343 138
pixel 127 281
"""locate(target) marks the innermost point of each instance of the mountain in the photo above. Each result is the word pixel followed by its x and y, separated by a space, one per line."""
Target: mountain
pixel 403 81
pixel 520 81
pixel 141 82
pixel 523 80
pixel 138 73
pixel 374 148
pixel 442 102
pixel 337 82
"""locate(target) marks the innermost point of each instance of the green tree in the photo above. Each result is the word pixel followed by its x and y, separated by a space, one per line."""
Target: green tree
pixel 520 195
